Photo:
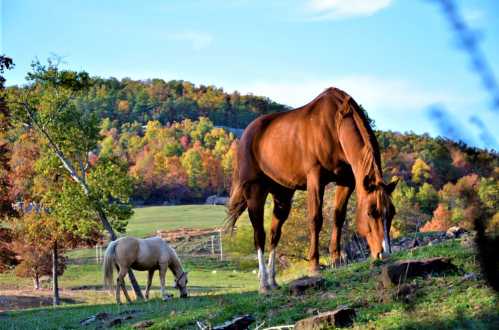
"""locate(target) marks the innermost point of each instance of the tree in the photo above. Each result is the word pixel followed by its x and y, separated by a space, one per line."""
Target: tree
pixel 427 198
pixel 421 172
pixel 7 255
pixel 70 132
pixel 441 220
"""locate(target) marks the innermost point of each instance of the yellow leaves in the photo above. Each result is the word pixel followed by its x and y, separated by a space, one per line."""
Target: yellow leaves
pixel 123 106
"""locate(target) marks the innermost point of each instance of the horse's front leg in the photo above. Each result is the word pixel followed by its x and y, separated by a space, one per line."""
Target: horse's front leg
pixel 341 196
pixel 150 275
pixel 315 192
pixel 162 274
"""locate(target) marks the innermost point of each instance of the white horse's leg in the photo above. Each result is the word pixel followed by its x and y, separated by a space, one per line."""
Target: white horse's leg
pixel 262 272
pixel 271 269
pixel 118 291
pixel 121 281
pixel 150 275
pixel 162 273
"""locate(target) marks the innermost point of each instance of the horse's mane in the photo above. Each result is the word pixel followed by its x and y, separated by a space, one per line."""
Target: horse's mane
pixel 371 158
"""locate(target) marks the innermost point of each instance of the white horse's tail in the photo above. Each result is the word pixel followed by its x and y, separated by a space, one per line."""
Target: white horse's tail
pixel 108 264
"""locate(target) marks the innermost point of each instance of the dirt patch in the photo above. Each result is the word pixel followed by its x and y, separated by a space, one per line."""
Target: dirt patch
pixel 22 299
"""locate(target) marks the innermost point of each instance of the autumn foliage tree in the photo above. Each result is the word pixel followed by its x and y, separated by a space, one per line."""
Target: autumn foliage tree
pixel 7 254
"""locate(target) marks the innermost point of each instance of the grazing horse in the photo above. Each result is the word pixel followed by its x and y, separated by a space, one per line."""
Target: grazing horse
pixel 327 140
pixel 149 254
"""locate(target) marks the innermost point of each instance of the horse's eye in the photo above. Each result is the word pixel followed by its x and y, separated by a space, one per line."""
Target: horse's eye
pixel 373 212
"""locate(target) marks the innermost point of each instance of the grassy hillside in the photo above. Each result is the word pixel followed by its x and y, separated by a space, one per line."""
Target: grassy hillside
pixel 146 220
pixel 445 302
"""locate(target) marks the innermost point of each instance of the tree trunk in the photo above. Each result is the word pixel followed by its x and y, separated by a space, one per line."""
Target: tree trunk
pixel 55 276
pixel 36 282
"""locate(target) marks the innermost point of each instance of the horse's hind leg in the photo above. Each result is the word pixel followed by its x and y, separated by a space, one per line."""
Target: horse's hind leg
pixel 315 192
pixel 255 197
pixel 341 196
pixel 282 206
pixel 120 282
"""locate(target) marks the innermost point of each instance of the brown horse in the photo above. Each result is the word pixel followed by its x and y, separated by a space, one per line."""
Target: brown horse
pixel 149 254
pixel 327 140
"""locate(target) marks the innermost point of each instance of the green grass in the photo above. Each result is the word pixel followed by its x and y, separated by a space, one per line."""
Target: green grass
pixel 443 302
pixel 147 220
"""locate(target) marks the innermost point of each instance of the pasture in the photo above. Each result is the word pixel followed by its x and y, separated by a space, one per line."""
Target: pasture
pixel 221 290
pixel 444 302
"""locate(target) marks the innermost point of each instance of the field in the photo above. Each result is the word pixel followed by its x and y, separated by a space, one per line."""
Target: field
pixel 146 220
pixel 220 291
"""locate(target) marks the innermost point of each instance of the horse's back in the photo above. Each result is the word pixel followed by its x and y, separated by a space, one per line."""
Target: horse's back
pixel 285 146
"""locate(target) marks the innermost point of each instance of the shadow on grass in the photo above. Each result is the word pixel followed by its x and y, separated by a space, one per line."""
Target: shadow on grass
pixel 13 302
pixel 488 319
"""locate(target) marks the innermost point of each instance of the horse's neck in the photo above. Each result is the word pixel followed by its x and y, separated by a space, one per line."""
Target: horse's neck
pixel 358 151
pixel 175 265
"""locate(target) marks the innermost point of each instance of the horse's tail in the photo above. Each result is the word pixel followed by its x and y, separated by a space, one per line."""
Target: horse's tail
pixel 108 264
pixel 237 202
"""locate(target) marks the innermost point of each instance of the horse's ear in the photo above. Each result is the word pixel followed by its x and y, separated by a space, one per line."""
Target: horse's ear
pixel 369 186
pixel 391 186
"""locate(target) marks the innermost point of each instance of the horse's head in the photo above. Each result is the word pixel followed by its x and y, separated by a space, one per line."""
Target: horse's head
pixel 181 284
pixel 375 212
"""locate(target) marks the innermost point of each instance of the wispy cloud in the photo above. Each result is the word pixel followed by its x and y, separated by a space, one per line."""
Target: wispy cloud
pixel 395 103
pixel 341 9
pixel 371 91
pixel 197 40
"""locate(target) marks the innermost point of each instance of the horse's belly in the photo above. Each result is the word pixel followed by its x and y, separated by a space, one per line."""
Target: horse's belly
pixel 142 267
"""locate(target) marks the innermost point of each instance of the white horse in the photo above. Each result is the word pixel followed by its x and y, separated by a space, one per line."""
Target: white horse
pixel 149 254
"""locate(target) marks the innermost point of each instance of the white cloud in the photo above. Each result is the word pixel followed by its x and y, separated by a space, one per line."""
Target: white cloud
pixel 339 9
pixel 198 40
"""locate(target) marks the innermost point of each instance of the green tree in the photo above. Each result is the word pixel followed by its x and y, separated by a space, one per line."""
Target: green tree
pixel 69 132
pixel 427 198
pixel 421 172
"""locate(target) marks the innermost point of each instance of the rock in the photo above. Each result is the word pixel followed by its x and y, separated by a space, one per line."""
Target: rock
pixel 237 323
pixel 468 241
pixel 340 317
pixel 470 277
pixel 114 322
pixel 454 232
pixel 143 324
pixel 405 292
pixel 299 286
pixel 97 317
pixel 400 271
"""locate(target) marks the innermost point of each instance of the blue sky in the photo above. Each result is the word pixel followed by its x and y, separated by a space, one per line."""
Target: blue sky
pixel 398 58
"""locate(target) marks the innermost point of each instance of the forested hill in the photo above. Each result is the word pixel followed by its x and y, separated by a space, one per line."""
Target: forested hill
pixel 176 140
pixel 130 101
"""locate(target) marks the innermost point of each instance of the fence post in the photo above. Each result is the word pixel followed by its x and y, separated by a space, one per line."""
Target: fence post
pixel 221 247
pixel 212 244
pixel 97 253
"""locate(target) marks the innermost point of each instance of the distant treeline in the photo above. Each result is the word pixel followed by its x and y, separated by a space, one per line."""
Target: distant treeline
pixel 128 101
